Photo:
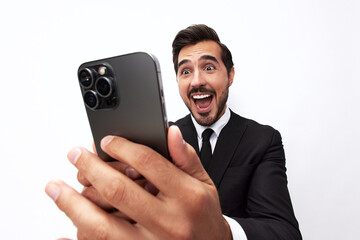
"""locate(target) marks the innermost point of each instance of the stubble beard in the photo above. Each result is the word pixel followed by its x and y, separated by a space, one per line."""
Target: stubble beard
pixel 205 119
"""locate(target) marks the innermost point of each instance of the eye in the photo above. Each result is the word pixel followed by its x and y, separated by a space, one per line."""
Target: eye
pixel 209 68
pixel 185 71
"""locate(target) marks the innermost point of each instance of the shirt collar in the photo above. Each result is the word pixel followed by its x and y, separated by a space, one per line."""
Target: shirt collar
pixel 217 126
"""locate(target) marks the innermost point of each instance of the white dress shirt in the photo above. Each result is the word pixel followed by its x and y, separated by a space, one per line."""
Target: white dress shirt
pixel 236 230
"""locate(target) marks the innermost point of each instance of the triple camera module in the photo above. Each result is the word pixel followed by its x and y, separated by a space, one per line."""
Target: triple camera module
pixel 97 85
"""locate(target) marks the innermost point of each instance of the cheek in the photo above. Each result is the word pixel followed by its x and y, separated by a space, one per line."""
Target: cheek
pixel 220 89
pixel 182 89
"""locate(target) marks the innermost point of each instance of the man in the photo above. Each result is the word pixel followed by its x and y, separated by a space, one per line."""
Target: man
pixel 241 195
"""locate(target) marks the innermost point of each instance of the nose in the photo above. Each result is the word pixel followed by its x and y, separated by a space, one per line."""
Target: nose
pixel 198 80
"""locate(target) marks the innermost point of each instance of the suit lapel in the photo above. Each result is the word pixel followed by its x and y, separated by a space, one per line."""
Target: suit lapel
pixel 226 145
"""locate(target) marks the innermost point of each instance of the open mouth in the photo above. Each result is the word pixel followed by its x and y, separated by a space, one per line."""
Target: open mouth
pixel 202 102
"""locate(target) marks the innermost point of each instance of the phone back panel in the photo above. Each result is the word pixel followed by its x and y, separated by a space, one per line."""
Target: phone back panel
pixel 139 114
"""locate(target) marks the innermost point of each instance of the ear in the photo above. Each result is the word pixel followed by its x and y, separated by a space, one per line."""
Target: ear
pixel 231 76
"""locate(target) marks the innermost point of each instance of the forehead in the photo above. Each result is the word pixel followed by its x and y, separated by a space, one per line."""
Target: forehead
pixel 195 51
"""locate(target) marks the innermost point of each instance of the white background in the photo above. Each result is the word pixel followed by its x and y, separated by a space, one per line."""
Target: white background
pixel 297 69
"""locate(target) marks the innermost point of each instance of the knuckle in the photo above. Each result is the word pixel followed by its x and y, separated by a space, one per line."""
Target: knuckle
pixel 183 233
pixel 98 232
pixel 202 196
pixel 118 166
pixel 115 192
pixel 146 159
pixel 199 196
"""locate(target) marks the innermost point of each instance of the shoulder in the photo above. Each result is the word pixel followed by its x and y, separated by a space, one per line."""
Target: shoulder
pixel 250 123
pixel 253 129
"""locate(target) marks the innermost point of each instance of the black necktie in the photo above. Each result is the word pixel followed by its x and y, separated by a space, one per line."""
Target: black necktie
pixel 205 153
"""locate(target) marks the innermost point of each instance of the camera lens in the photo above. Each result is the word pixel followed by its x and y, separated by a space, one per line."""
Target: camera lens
pixel 86 77
pixel 91 99
pixel 104 86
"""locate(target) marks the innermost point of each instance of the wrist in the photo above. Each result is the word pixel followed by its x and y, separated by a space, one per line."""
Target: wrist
pixel 228 234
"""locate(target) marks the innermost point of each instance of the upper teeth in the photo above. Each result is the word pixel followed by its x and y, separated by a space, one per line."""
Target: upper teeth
pixel 201 96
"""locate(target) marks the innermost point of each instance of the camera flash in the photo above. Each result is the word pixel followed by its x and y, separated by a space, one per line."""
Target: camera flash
pixel 102 70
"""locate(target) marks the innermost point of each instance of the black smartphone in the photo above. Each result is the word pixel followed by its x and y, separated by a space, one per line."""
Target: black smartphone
pixel 123 96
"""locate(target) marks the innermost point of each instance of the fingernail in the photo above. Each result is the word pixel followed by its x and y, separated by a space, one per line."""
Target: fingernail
pixel 53 190
pixel 106 140
pixel 132 173
pixel 74 155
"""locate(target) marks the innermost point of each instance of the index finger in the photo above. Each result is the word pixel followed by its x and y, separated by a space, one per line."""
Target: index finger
pixel 121 167
pixel 89 219
pixel 116 188
pixel 163 174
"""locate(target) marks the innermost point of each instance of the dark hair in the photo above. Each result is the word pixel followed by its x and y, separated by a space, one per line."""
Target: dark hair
pixel 195 34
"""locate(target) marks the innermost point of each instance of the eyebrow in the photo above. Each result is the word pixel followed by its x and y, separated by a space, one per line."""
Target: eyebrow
pixel 182 62
pixel 204 57
pixel 209 57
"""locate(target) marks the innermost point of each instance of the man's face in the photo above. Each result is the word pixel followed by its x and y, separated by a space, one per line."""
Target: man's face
pixel 203 81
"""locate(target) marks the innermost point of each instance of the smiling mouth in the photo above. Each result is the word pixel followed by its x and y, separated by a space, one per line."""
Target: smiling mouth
pixel 202 102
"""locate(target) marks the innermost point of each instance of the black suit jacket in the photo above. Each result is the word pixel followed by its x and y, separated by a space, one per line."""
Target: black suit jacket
pixel 248 169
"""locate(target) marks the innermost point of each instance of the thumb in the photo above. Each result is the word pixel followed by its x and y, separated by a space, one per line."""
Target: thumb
pixel 184 156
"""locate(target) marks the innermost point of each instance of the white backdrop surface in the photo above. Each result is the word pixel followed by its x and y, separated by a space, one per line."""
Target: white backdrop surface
pixel 297 68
